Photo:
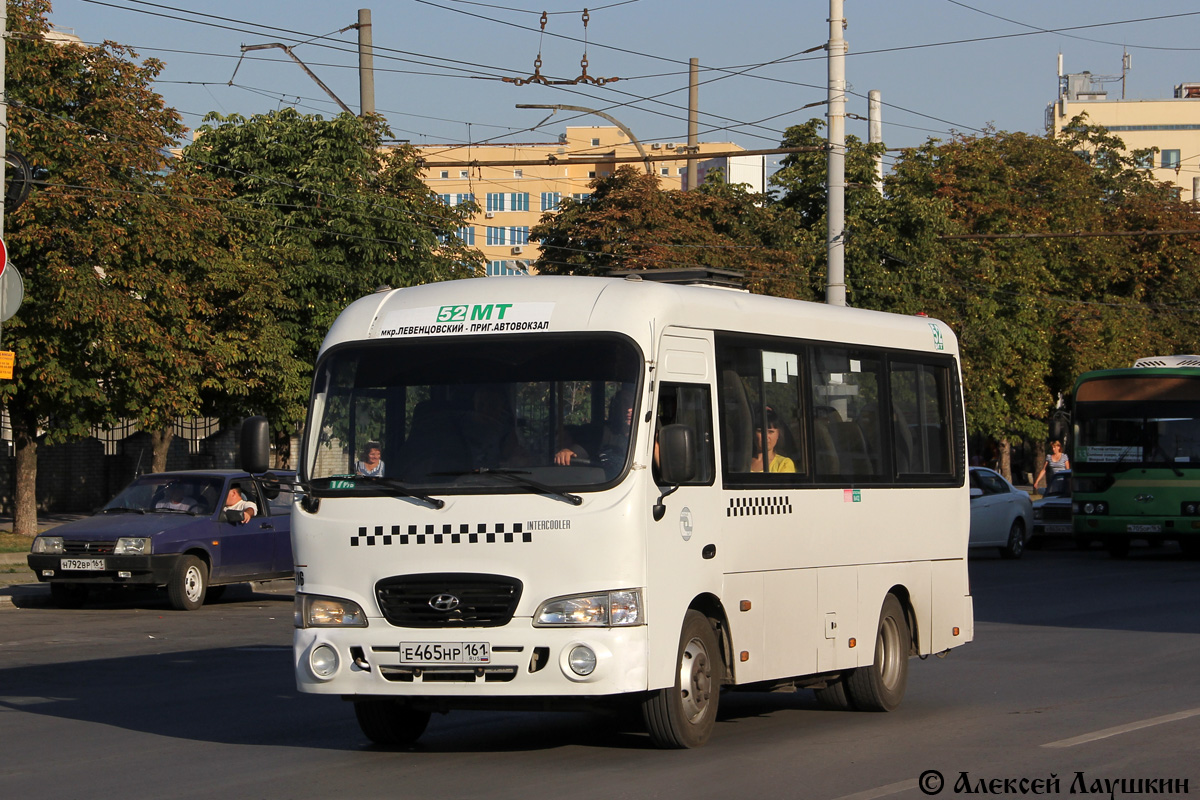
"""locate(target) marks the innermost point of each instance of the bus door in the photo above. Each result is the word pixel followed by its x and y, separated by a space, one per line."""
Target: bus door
pixel 683 552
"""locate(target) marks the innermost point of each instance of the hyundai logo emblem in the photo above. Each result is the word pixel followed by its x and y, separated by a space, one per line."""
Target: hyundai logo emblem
pixel 443 602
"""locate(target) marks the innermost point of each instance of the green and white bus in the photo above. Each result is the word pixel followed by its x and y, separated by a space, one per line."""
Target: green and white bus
pixel 1136 466
pixel 571 507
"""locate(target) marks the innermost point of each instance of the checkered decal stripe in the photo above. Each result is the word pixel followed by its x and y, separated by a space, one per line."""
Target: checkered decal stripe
pixel 758 506
pixel 442 534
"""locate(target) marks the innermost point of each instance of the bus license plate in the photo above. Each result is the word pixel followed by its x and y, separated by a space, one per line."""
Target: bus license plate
pixel 1143 528
pixel 81 564
pixel 445 653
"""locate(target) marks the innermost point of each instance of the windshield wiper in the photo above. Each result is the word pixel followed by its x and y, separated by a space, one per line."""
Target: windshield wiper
pixel 517 476
pixel 392 485
pixel 123 510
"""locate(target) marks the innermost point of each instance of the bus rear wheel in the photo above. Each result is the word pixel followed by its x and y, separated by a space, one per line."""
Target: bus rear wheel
pixel 389 723
pixel 880 686
pixel 683 715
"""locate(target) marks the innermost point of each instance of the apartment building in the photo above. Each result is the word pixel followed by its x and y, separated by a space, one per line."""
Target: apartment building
pixel 1172 125
pixel 512 198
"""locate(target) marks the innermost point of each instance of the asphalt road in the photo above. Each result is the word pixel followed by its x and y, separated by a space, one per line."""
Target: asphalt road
pixel 1084 670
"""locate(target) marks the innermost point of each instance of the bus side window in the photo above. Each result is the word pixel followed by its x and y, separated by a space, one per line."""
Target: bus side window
pixel 690 405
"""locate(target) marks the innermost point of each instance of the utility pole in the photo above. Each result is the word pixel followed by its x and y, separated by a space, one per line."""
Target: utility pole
pixel 366 65
pixel 875 133
pixel 694 121
pixel 3 131
pixel 835 242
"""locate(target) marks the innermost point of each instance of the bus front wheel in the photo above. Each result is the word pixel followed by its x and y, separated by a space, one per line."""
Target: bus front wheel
pixel 880 686
pixel 683 715
pixel 389 723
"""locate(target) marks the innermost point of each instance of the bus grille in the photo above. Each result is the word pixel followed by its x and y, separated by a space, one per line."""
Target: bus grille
pixel 448 600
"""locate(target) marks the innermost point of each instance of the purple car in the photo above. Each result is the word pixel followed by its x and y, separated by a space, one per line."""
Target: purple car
pixel 172 529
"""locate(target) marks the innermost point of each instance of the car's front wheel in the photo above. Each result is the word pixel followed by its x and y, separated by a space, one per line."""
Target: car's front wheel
pixel 188 584
pixel 1016 540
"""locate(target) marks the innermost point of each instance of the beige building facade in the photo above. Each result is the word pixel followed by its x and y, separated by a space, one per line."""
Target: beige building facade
pixel 1170 125
pixel 512 197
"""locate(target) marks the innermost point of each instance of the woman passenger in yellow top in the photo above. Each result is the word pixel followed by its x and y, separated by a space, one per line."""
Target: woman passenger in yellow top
pixel 775 462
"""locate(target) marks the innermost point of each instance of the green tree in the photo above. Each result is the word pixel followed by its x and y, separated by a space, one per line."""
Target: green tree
pixel 334 212
pixel 629 222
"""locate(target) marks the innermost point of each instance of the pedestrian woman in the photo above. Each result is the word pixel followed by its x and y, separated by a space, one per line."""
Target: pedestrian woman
pixel 1056 462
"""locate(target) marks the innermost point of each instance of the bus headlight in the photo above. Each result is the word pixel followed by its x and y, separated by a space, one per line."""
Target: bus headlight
pixel 133 546
pixel 1190 508
pixel 1093 508
pixel 49 545
pixel 314 611
pixel 603 610
pixel 324 661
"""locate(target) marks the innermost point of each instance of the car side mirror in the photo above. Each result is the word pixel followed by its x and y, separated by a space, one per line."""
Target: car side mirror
pixel 233 516
pixel 976 492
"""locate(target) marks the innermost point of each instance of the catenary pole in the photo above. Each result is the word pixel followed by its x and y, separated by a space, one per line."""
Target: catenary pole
pixel 835 242
pixel 875 132
pixel 693 138
pixel 366 64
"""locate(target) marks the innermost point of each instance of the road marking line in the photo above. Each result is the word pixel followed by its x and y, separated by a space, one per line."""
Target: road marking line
pixel 1132 726
pixel 882 791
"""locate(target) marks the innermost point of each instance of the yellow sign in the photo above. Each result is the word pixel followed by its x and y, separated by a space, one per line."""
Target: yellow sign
pixel 8 359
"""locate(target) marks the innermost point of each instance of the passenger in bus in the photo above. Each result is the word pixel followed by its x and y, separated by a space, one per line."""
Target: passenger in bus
pixel 371 465
pixel 775 461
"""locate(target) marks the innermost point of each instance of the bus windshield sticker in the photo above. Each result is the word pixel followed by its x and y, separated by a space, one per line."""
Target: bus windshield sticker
pixel 467 319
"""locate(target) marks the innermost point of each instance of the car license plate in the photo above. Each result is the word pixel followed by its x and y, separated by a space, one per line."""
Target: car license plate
pixel 1143 528
pixel 445 653
pixel 81 564
pixel 1059 529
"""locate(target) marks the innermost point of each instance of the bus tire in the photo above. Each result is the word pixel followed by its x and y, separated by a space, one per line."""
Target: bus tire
pixel 188 584
pixel 880 686
pixel 389 723
pixel 833 697
pixel 683 714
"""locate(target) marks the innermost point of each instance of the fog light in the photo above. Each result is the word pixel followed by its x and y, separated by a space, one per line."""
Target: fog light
pixel 1089 508
pixel 324 661
pixel 582 660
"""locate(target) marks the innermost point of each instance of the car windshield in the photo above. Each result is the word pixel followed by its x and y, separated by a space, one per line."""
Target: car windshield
pixel 167 494
pixel 504 414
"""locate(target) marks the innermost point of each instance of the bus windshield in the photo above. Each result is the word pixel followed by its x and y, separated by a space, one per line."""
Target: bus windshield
pixel 1150 433
pixel 497 414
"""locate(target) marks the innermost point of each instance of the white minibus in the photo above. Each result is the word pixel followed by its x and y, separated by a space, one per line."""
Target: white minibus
pixel 551 491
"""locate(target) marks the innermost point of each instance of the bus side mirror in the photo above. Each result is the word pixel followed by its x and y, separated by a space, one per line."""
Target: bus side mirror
pixel 676 454
pixel 255 446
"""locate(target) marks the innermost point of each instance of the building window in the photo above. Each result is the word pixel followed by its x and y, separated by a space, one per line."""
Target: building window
pixel 502 268
pixel 497 201
pixel 518 173
pixel 518 234
pixel 591 173
pixel 445 173
pixel 551 201
pixel 445 198
pixel 595 142
pixel 519 201
pixel 467 197
pixel 1170 159
pixel 497 236
pixel 581 197
pixel 665 171
pixel 1145 161
pixel 467 235
pixel 681 170
pixel 464 174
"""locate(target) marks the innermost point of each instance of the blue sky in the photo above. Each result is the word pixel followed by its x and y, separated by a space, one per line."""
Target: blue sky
pixel 941 65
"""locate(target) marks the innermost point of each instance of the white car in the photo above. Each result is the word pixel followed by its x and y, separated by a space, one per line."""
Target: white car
pixel 1000 513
